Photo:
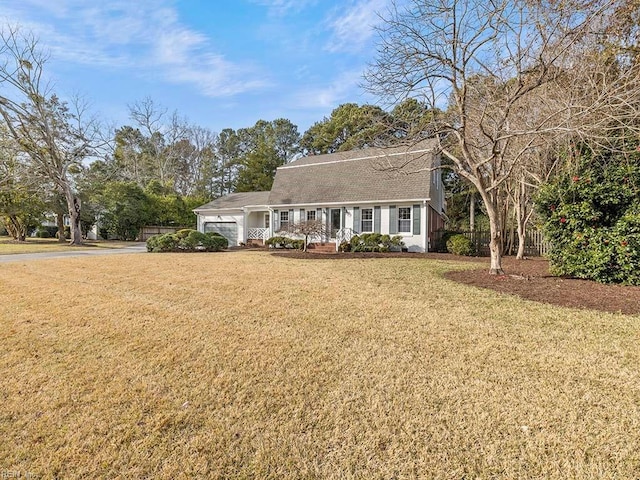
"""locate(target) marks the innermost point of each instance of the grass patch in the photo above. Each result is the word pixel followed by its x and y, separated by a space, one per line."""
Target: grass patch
pixel 246 365
pixel 39 245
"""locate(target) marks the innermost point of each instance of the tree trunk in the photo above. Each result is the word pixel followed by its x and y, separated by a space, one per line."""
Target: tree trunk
pixel 73 203
pixel 472 211
pixel 495 226
pixel 521 221
pixel 495 247
pixel 522 233
pixel 496 221
pixel 521 240
pixel 16 229
pixel 60 222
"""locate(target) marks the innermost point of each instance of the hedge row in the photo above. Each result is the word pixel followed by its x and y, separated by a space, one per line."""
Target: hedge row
pixel 372 242
pixel 285 242
pixel 187 240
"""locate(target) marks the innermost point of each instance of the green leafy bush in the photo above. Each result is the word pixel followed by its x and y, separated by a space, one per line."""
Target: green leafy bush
pixel 184 232
pixel 46 232
pixel 284 242
pixel 216 242
pixel 152 243
pixel 375 242
pixel 442 237
pixel 168 242
pixel 592 219
pixel 187 240
pixel 459 245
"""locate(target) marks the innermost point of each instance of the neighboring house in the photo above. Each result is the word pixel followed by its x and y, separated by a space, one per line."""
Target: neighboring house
pixel 395 191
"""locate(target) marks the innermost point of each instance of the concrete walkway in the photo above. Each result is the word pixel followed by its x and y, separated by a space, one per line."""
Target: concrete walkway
pixel 73 252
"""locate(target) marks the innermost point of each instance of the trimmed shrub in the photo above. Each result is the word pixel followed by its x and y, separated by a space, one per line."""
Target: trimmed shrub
pixel 168 242
pixel 152 243
pixel 375 242
pixel 459 245
pixel 184 233
pixel 284 242
pixel 187 240
pixel 214 242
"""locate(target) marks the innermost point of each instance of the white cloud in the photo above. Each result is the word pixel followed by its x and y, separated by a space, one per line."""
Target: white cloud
pixel 284 7
pixel 143 36
pixel 342 89
pixel 353 26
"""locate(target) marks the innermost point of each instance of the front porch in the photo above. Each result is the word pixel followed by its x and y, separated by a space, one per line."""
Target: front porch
pixel 257 228
pixel 257 236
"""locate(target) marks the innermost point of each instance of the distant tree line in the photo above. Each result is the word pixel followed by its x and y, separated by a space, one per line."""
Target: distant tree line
pixel 518 94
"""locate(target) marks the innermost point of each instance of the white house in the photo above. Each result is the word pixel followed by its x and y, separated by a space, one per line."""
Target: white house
pixel 396 191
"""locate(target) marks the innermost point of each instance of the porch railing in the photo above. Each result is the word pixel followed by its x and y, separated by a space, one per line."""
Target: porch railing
pixel 343 235
pixel 258 234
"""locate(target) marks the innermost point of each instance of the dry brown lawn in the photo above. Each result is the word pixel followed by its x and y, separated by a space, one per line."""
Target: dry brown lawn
pixel 38 245
pixel 246 365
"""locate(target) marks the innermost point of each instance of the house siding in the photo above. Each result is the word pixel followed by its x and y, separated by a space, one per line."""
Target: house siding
pixel 414 243
pixel 231 217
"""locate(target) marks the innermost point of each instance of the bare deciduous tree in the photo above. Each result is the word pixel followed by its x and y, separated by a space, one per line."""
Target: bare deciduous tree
pixel 307 229
pixel 56 136
pixel 489 61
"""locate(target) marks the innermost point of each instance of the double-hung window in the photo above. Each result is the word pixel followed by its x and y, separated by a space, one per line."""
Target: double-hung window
pixel 367 220
pixel 284 220
pixel 311 215
pixel 404 219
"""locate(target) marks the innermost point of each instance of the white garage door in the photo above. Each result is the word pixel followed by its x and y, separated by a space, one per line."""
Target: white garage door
pixel 228 230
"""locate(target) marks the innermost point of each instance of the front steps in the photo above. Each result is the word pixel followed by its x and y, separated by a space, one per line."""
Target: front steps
pixel 322 247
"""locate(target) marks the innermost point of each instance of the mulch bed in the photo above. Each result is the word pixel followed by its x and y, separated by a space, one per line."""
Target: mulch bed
pixel 529 279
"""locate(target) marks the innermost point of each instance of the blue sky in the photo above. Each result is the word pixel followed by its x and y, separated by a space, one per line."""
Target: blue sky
pixel 220 63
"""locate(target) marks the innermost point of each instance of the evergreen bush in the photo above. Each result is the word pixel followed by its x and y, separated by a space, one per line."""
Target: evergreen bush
pixel 187 240
pixel 592 219
pixel 375 242
pixel 284 242
pixel 459 245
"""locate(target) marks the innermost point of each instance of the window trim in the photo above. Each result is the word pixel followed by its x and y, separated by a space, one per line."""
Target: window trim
pixel 309 212
pixel 284 224
pixel 408 220
pixel 368 220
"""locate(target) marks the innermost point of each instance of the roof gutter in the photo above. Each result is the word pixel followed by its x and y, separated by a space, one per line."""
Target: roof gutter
pixel 351 202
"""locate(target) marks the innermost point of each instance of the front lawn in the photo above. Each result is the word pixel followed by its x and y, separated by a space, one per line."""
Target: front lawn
pixel 247 365
pixel 39 245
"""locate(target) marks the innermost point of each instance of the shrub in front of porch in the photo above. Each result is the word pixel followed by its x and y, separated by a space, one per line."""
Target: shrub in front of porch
pixel 375 242
pixel 284 242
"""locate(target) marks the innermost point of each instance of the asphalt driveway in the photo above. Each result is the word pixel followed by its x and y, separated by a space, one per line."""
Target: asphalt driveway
pixel 73 252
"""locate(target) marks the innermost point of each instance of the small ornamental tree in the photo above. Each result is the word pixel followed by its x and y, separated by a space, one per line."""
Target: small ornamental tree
pixel 591 218
pixel 307 229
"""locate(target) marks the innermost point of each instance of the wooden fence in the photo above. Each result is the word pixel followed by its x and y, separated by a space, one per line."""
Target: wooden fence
pixel 149 231
pixel 535 244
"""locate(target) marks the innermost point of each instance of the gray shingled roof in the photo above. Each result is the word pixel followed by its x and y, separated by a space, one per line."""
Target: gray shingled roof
pixel 237 200
pixel 356 176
